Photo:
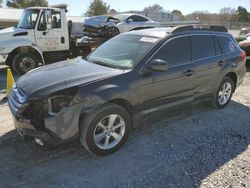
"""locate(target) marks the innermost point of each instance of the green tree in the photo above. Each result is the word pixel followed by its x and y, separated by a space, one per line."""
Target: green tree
pixel 243 14
pixel 113 12
pixel 26 3
pixel 97 7
pixel 154 8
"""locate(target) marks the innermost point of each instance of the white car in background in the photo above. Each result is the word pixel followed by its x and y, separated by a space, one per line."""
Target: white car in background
pixel 130 22
pixel 110 26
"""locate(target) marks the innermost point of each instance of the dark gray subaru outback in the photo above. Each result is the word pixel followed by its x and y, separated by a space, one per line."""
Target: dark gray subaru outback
pixel 97 99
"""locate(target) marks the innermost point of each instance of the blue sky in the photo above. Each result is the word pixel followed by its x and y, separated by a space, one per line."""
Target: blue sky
pixel 77 7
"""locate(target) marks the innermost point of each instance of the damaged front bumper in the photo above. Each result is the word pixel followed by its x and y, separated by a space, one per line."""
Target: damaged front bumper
pixel 29 132
pixel 44 130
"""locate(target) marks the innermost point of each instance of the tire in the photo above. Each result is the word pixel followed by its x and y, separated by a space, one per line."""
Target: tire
pixel 225 89
pixel 114 31
pixel 24 62
pixel 97 137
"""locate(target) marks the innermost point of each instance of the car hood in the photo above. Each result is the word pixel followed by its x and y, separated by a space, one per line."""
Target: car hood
pixel 46 80
pixel 8 33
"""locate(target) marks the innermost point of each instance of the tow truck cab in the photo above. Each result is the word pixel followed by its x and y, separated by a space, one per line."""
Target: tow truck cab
pixel 42 36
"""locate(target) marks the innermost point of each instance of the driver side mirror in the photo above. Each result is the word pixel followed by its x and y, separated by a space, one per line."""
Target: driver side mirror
pixel 158 65
pixel 48 18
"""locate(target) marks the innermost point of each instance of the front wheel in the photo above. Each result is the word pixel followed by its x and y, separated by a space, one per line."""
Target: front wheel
pixel 106 130
pixel 113 31
pixel 24 62
pixel 224 93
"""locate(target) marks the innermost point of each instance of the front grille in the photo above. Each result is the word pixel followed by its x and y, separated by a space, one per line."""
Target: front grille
pixel 17 100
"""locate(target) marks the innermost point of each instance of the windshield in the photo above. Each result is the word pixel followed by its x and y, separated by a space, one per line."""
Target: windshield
pixel 28 19
pixel 121 17
pixel 123 51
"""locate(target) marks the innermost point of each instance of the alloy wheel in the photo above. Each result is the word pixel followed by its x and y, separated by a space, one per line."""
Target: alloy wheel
pixel 109 131
pixel 225 93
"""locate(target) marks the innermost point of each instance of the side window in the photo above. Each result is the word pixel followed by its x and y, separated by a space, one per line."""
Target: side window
pixel 202 47
pixel 175 52
pixel 217 47
pixel 141 19
pixel 56 20
pixel 136 18
pixel 226 44
pixel 42 26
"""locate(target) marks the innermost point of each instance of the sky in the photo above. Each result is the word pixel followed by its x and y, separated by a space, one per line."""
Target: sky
pixel 77 7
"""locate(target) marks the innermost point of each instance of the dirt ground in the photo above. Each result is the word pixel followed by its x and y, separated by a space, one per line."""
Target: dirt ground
pixel 193 147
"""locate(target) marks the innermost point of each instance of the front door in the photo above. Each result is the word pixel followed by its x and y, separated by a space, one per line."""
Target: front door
pixel 54 39
pixel 173 86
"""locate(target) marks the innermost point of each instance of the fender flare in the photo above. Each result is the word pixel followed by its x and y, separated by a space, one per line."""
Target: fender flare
pixel 23 43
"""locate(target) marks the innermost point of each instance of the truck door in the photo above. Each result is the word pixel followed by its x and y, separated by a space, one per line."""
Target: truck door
pixel 54 38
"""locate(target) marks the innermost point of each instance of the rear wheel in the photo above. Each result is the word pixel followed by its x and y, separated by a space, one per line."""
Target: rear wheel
pixel 106 130
pixel 224 93
pixel 24 62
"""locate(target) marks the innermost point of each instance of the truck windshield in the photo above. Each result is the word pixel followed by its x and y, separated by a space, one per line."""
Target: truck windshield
pixel 123 51
pixel 28 19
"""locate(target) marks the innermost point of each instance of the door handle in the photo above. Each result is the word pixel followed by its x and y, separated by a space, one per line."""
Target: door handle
pixel 220 63
pixel 189 72
pixel 62 40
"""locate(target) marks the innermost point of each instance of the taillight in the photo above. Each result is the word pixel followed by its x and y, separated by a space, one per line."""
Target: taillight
pixel 244 55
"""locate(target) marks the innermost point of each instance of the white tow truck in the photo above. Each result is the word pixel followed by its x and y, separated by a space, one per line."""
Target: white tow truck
pixel 42 36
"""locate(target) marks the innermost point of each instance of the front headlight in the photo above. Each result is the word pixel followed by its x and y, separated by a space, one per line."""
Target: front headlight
pixel 60 99
pixel 2 49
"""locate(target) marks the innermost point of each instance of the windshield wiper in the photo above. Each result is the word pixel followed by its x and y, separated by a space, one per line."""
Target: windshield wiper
pixel 102 63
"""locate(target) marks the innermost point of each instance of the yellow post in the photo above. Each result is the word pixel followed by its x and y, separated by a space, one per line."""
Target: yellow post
pixel 10 82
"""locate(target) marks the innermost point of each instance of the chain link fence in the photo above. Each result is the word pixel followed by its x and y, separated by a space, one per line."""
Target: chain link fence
pixel 228 25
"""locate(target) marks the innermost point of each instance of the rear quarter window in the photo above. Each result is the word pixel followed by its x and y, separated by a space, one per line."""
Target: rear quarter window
pixel 227 45
pixel 202 47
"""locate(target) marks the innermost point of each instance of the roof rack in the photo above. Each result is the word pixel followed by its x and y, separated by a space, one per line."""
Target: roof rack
pixel 215 28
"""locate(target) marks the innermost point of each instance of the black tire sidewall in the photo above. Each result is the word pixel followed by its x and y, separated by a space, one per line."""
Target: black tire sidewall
pixel 87 128
pixel 18 57
pixel 216 98
pixel 115 28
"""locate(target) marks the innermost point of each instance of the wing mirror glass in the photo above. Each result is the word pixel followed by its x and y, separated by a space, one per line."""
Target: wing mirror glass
pixel 48 17
pixel 158 65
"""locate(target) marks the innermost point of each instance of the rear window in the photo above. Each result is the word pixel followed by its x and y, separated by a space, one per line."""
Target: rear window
pixel 202 47
pixel 217 47
pixel 227 45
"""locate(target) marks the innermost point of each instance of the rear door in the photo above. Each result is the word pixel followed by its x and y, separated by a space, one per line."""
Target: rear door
pixel 207 60
pixel 174 86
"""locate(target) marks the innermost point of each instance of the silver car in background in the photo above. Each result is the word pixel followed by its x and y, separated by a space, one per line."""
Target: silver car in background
pixel 109 26
pixel 130 22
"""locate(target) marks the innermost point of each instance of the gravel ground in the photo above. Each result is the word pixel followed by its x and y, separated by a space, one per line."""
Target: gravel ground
pixel 193 147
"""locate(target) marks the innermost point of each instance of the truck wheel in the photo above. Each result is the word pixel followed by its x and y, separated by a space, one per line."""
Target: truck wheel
pixel 106 130
pixel 223 94
pixel 24 62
